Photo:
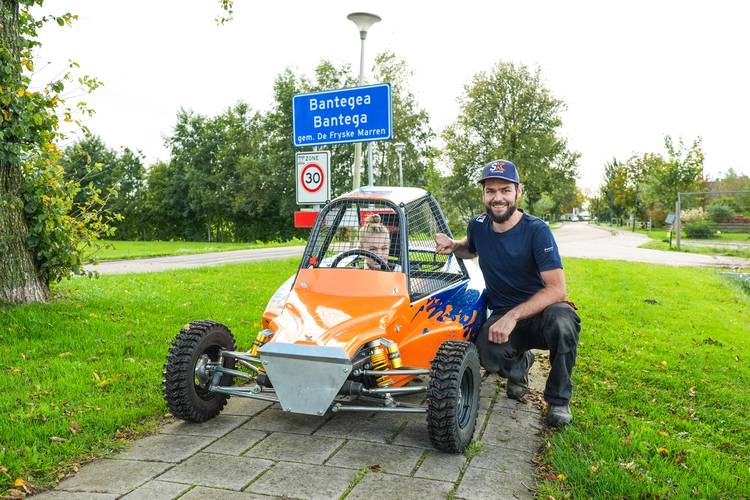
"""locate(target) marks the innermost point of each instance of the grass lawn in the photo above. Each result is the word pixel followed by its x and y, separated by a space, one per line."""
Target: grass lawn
pixel 662 386
pixel 139 249
pixel 663 234
pixel 730 252
pixel 661 398
pixel 81 375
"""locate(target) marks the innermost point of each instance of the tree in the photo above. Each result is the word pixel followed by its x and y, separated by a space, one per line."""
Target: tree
pixel 90 163
pixel 680 171
pixel 565 197
pixel 231 176
pixel 41 239
pixel 19 279
pixel 561 186
pixel 618 190
pixel 265 198
pixel 165 205
pixel 130 189
pixel 733 181
pixel 647 185
pixel 118 177
pixel 411 127
pixel 508 113
pixel 265 190
pixel 197 145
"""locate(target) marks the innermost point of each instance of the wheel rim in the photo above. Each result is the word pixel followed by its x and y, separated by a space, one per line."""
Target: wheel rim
pixel 465 398
pixel 201 374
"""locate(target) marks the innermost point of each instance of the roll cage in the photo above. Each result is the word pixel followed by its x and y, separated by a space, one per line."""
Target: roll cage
pixel 416 222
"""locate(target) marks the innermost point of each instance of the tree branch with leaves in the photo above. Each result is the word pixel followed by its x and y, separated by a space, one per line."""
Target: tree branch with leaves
pixel 42 237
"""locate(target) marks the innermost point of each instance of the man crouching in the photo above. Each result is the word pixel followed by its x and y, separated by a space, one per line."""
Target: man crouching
pixel 526 291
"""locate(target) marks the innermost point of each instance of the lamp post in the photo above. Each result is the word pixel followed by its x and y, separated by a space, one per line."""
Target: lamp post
pixel 363 20
pixel 400 149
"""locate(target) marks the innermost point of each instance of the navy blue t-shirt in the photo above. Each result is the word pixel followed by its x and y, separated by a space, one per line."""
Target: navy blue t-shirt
pixel 511 261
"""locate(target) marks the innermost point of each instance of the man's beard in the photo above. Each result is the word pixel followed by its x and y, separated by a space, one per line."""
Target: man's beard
pixel 499 219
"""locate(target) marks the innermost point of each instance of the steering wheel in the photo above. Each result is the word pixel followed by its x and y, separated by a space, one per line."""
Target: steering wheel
pixel 365 253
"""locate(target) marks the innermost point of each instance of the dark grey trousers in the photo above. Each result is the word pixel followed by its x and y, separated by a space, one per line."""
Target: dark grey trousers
pixel 555 329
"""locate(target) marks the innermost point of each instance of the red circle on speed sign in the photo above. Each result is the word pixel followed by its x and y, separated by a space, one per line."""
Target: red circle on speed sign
pixel 312 177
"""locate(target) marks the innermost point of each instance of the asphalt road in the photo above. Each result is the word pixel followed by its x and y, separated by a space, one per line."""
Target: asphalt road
pixel 156 264
pixel 579 239
pixel 575 239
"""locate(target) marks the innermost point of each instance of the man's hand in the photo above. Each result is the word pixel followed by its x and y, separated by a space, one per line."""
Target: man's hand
pixel 501 329
pixel 445 245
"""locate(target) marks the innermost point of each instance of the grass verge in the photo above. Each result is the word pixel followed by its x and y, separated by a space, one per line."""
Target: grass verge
pixel 117 249
pixel 83 374
pixel 661 397
pixel 663 234
pixel 662 386
pixel 725 251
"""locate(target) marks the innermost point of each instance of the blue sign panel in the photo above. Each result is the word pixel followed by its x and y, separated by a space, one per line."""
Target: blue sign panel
pixel 355 114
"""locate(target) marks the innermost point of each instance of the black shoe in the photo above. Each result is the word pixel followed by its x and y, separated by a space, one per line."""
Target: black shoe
pixel 559 415
pixel 518 389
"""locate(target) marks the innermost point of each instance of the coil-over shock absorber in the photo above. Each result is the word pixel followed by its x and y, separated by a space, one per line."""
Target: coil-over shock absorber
pixel 394 355
pixel 260 340
pixel 379 361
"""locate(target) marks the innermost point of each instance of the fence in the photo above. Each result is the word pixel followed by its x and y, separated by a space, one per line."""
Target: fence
pixel 729 227
pixel 701 197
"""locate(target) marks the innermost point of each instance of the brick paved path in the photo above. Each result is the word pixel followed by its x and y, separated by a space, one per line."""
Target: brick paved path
pixel 254 450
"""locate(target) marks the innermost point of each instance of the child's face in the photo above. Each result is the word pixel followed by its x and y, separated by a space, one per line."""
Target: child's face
pixel 377 243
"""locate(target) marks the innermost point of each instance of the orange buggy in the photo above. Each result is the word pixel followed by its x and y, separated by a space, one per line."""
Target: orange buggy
pixel 356 328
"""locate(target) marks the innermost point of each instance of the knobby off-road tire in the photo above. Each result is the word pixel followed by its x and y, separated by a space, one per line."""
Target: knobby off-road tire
pixel 453 396
pixel 187 397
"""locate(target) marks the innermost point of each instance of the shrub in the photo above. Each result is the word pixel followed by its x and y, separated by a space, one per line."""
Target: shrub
pixel 719 212
pixel 658 216
pixel 698 230
pixel 692 215
pixel 739 219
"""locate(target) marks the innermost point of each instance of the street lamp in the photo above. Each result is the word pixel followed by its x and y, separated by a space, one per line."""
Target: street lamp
pixel 400 149
pixel 364 21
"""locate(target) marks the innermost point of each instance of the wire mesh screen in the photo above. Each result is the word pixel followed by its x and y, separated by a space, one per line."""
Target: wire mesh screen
pixel 428 271
pixel 357 234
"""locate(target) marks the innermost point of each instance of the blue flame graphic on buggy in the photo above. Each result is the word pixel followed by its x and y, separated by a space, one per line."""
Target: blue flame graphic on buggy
pixel 459 303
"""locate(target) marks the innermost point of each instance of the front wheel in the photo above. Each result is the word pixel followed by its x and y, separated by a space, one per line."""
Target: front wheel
pixel 453 396
pixel 186 379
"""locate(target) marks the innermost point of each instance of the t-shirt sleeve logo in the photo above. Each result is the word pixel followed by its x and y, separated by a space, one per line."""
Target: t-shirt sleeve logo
pixel 548 249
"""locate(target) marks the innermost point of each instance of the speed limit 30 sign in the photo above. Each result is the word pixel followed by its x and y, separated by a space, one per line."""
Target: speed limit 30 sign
pixel 313 177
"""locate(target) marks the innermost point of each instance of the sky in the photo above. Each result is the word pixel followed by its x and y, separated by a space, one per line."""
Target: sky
pixel 629 72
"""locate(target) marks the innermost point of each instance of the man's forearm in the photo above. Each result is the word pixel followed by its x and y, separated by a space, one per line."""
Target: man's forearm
pixel 537 303
pixel 461 249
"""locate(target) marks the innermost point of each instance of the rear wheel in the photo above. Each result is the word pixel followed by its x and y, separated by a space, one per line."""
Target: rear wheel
pixel 453 396
pixel 186 380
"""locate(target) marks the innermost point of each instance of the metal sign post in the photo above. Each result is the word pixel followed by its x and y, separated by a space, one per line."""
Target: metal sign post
pixel 678 222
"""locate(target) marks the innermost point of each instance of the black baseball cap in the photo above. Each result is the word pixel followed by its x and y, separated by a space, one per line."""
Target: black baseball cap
pixel 500 169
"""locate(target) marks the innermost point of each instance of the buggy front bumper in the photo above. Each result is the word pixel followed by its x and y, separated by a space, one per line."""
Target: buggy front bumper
pixel 306 377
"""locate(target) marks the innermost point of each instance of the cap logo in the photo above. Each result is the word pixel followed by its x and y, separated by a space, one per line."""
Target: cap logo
pixel 497 167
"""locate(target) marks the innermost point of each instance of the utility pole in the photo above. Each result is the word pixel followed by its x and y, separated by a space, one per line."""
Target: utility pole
pixel 364 21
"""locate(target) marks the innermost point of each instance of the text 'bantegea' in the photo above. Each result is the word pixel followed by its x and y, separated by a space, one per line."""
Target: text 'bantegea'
pixel 356 114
